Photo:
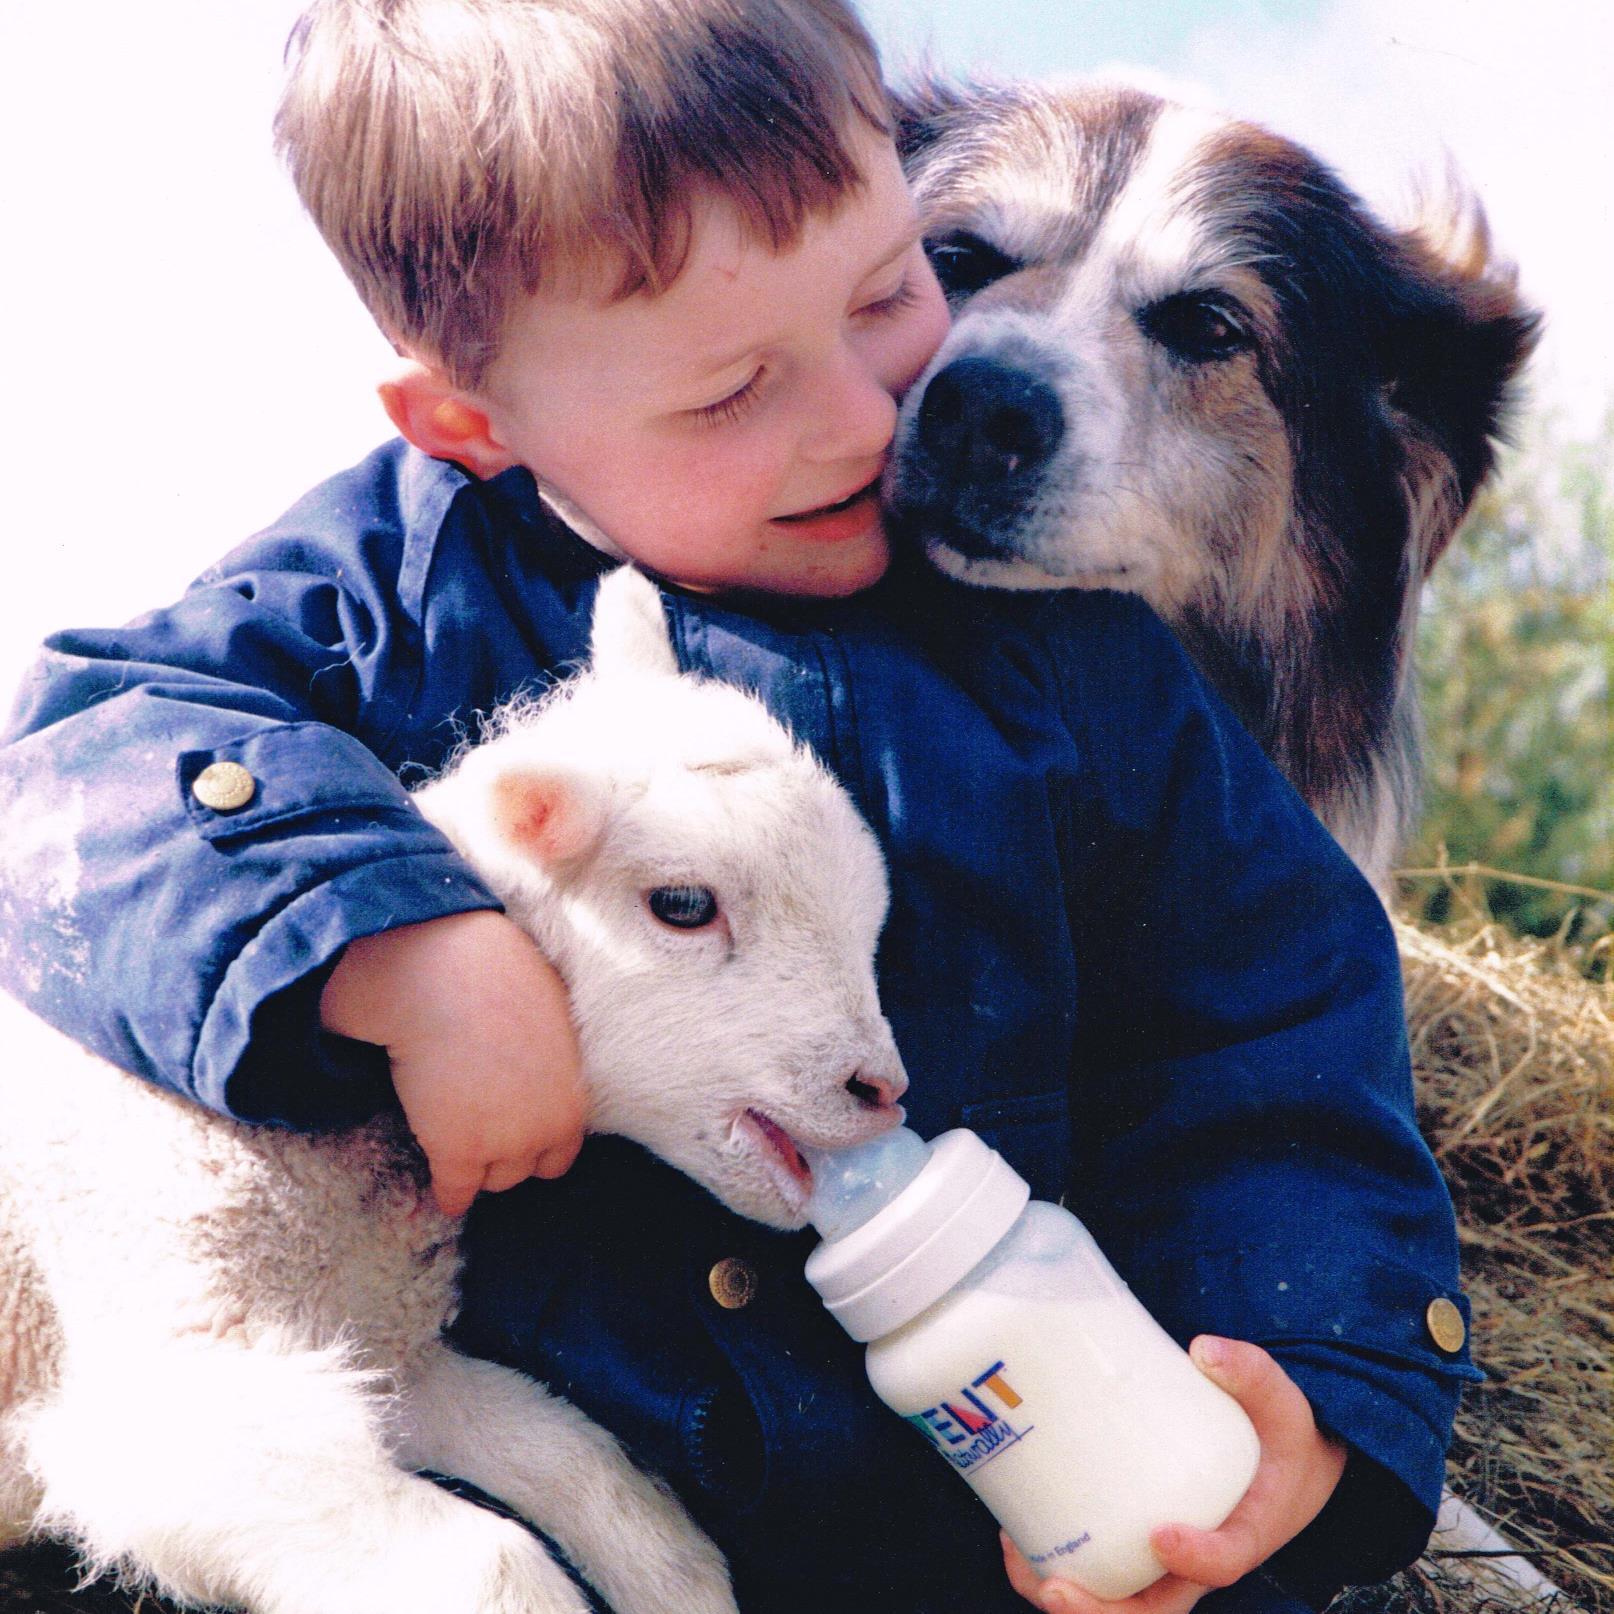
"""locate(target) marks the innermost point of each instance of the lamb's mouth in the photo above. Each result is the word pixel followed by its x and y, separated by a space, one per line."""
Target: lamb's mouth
pixel 790 1172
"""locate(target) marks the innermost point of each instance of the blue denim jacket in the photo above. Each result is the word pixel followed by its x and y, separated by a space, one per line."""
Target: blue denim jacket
pixel 1119 948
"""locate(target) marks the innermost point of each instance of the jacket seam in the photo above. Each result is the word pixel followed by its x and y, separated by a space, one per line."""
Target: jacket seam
pixel 417 557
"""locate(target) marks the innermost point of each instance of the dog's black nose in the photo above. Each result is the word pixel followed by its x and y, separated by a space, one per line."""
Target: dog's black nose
pixel 984 422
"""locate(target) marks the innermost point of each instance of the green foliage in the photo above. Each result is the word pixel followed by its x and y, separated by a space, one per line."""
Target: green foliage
pixel 1514 661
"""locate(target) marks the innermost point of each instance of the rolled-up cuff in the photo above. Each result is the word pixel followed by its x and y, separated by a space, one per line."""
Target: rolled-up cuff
pixel 262 1054
pixel 1389 1411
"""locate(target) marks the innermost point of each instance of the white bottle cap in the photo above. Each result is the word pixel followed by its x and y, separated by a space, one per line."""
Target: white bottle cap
pixel 907 1255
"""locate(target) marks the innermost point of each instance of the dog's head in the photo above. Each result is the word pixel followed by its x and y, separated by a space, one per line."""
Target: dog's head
pixel 1187 362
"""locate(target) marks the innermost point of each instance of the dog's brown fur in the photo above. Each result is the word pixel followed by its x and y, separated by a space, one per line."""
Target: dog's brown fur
pixel 1194 366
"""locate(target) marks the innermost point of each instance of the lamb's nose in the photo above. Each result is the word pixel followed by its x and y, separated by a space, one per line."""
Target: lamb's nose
pixel 985 422
pixel 879 1092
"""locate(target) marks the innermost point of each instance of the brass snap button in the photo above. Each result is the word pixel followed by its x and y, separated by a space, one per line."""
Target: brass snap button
pixel 733 1283
pixel 224 786
pixel 1445 1324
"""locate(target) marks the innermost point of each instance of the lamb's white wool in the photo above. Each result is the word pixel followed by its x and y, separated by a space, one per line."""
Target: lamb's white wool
pixel 221 1357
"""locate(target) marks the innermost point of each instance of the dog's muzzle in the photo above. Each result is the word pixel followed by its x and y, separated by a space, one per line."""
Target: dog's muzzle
pixel 972 462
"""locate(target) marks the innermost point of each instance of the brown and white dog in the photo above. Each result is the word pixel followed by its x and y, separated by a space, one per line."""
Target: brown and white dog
pixel 1188 363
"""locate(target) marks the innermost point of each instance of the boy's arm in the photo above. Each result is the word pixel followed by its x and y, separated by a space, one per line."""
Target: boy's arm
pixel 478 1034
pixel 1253 1164
pixel 200 810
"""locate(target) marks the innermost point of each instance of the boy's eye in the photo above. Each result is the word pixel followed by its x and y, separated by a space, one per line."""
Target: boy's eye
pixel 731 407
pixel 683 907
pixel 1197 327
pixel 966 264
pixel 905 296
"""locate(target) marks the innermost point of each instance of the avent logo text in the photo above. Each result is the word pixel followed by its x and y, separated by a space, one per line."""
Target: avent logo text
pixel 974 1425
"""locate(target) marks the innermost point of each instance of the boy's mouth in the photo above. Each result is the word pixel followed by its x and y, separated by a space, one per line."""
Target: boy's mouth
pixel 844 518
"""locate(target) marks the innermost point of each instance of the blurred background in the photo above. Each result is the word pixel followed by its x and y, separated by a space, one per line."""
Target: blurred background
pixel 184 359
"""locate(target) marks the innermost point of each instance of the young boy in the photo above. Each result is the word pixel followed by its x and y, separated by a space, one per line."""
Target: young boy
pixel 652 266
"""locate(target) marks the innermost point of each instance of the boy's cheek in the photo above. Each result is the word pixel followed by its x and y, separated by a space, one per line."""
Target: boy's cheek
pixel 932 320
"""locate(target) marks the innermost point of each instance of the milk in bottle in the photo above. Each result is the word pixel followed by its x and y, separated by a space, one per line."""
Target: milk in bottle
pixel 998 1329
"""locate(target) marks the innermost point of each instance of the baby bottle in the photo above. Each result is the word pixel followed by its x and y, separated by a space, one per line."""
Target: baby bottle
pixel 998 1329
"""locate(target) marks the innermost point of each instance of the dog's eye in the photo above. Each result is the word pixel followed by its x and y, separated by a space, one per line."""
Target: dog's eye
pixel 1196 328
pixel 684 907
pixel 964 263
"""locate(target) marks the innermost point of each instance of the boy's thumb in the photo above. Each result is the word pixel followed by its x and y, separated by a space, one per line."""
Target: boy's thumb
pixel 1237 1366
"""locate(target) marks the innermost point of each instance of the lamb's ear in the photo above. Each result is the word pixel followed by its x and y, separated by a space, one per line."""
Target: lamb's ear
pixel 630 631
pixel 551 814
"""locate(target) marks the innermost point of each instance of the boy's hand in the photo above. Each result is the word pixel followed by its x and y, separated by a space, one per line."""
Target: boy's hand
pixel 484 1058
pixel 1299 1468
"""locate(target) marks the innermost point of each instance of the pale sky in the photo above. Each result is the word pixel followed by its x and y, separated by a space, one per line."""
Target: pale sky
pixel 184 360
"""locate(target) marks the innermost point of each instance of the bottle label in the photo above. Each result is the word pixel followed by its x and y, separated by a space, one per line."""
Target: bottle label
pixel 973 1426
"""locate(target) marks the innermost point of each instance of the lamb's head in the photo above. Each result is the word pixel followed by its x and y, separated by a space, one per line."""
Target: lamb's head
pixel 712 899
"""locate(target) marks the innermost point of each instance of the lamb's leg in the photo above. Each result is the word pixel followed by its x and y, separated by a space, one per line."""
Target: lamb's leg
pixel 260 1478
pixel 29 1344
pixel 19 1495
pixel 626 1533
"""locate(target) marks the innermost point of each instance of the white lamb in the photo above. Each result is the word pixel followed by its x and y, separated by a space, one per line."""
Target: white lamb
pixel 221 1355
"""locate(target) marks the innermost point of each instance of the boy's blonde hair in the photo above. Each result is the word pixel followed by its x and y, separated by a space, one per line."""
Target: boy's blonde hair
pixel 457 153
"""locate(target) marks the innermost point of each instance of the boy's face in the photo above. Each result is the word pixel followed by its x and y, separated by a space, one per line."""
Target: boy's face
pixel 731 432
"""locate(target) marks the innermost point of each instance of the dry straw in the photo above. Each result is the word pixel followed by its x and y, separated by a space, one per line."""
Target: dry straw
pixel 1513 1053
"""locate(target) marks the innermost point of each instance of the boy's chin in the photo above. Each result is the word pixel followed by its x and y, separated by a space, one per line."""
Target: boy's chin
pixel 832 575
pixel 835 574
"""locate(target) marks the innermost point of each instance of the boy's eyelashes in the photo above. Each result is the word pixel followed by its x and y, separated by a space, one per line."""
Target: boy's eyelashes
pixel 731 407
pixel 905 296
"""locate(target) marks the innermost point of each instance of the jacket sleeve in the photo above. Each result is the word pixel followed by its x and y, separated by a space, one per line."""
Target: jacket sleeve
pixel 1246 1149
pixel 186 941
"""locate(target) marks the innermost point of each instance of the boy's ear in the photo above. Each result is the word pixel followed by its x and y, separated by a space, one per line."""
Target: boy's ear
pixel 439 419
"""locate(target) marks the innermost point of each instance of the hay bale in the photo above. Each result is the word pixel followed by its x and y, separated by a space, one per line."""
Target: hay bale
pixel 1513 1056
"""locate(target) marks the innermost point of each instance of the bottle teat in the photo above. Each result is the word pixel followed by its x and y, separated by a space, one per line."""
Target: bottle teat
pixel 850 1185
pixel 902 1221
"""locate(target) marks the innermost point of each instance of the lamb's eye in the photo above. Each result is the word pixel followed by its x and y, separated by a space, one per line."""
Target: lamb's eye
pixel 1197 328
pixel 684 907
pixel 964 263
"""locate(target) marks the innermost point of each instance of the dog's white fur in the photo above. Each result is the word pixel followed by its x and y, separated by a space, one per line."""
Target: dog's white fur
pixel 220 1357
pixel 1279 503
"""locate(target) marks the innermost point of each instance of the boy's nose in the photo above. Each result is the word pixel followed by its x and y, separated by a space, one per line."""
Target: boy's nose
pixel 857 417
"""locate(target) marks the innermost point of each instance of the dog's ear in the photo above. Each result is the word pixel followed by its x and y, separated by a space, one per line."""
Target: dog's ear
pixel 923 110
pixel 1455 339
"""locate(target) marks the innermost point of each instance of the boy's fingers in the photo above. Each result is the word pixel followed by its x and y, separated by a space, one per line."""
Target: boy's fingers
pixel 556 1159
pixel 1021 1575
pixel 1169 1595
pixel 1208 1557
pixel 1274 1402
pixel 454 1193
pixel 1052 1596
pixel 502 1174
